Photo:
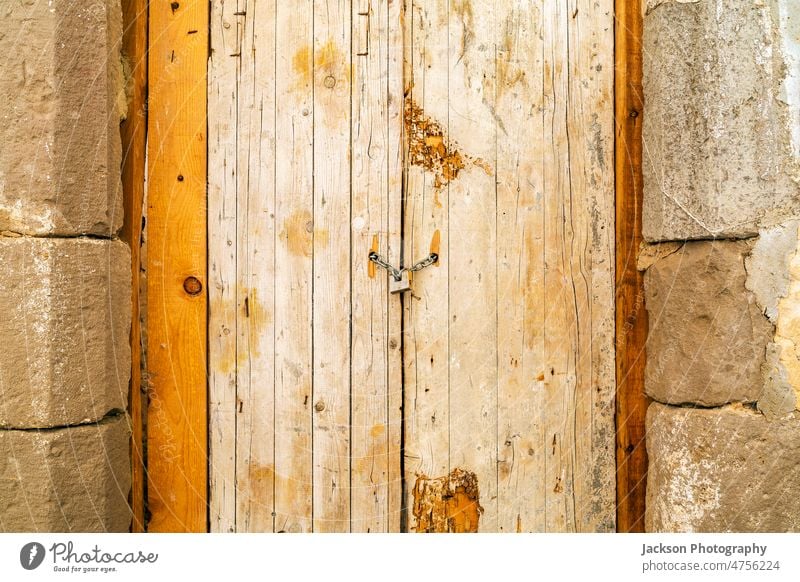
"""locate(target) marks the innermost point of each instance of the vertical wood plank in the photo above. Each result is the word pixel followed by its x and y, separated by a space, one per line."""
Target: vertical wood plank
pixel 255 266
pixel 526 153
pixel 222 241
pixel 370 297
pixel 578 269
pixel 177 301
pixel 520 268
pixel 590 127
pixel 472 285
pixel 560 324
pixel 631 316
pixel 395 28
pixel 134 144
pixel 294 218
pixel 426 338
pixel 331 248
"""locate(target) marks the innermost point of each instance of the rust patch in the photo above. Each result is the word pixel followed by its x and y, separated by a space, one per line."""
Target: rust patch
pixel 429 148
pixel 447 504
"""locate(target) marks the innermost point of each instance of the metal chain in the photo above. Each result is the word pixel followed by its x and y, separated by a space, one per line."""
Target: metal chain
pixel 426 262
pixel 381 262
pixel 398 273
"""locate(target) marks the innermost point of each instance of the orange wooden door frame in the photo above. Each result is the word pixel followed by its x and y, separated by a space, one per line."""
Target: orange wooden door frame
pixel 631 316
pixel 134 157
pixel 176 263
pixel 177 424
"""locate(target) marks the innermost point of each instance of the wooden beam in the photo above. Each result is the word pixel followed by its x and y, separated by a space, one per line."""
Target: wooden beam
pixel 134 136
pixel 176 267
pixel 631 317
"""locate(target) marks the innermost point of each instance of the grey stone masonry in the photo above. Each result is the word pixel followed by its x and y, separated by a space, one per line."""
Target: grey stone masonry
pixel 708 336
pixel 60 108
pixel 66 479
pixel 721 169
pixel 718 154
pixel 721 469
pixel 65 279
pixel 64 330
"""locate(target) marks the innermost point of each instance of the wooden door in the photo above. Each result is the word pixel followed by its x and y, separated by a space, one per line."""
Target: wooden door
pixel 480 400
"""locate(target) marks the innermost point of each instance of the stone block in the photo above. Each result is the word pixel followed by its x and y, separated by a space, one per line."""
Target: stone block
pixel 721 470
pixel 708 338
pixel 65 356
pixel 60 108
pixel 73 479
pixel 720 103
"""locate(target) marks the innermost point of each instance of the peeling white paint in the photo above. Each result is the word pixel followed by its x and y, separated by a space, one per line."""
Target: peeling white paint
pixel 789 29
pixel 649 5
pixel 787 327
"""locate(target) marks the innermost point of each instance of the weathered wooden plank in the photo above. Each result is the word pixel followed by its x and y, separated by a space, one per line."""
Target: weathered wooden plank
pixel 395 55
pixel 472 223
pixel 426 339
pixel 294 215
pixel 631 316
pixel 590 124
pixel 577 268
pixel 222 240
pixel 520 268
pixel 331 249
pixel 134 152
pixel 255 250
pixel 370 298
pixel 176 266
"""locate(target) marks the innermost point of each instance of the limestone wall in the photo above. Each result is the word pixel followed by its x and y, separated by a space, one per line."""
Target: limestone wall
pixel 64 276
pixel 722 281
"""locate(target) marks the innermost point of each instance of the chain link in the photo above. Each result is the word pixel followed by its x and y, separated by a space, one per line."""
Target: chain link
pixel 398 273
pixel 426 262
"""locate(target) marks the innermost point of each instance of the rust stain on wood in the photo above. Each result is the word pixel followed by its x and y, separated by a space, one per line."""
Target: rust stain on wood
pixel 447 504
pixel 429 148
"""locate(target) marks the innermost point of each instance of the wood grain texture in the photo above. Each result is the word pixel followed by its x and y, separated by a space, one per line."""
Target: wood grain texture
pixel 294 283
pixel 222 253
pixel 255 267
pixel 134 144
pixel 372 189
pixel 426 352
pixel 176 417
pixel 394 102
pixel 491 137
pixel 331 248
pixel 526 391
pixel 300 185
pixel 520 269
pixel 631 316
pixel 472 244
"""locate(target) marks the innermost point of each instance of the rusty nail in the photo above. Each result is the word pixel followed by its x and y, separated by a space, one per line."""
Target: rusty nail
pixel 330 82
pixel 180 177
pixel 192 285
pixel 633 113
pixel 319 406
